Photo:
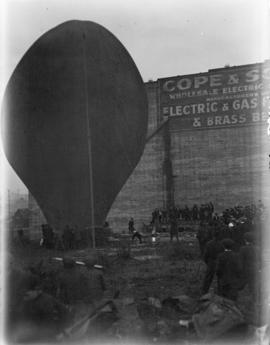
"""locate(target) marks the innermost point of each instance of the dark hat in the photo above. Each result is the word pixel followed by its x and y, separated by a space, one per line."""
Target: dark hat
pixel 90 262
pixel 228 243
pixel 249 237
pixel 68 262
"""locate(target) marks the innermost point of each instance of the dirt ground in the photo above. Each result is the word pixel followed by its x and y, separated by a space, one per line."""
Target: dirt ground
pixel 141 272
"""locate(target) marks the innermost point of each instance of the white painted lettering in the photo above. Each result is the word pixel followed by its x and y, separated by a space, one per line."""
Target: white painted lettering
pixel 184 84
pixel 234 119
pixel 165 111
pixel 236 104
pixel 172 113
pixel 215 80
pixel 264 116
pixel 201 108
pixel 169 86
pixel 233 79
pixel 252 75
pixel 245 104
pixel 193 107
pixel 242 118
pixel 254 103
pixel 218 120
pixel 198 81
pixel 186 110
pixel 265 101
pixel 255 117
pixel 226 120
pixel 196 122
pixel 214 106
pixel 266 73
pixel 178 110
pixel 210 121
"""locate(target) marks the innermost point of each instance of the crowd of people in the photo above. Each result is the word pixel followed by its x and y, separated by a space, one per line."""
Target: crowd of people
pixel 230 247
pixel 204 212
pixel 235 267
pixel 71 237
pixel 232 222
pixel 229 244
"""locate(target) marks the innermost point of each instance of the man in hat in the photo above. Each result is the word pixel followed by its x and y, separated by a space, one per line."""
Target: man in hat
pixel 203 236
pixel 131 225
pixel 70 283
pixel 174 229
pixel 93 282
pixel 250 262
pixel 228 271
pixel 212 249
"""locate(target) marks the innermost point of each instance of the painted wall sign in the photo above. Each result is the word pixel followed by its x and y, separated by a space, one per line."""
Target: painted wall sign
pixel 229 96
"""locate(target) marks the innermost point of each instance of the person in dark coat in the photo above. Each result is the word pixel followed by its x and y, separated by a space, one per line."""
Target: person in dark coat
pixel 136 234
pixel 213 248
pixel 174 229
pixel 195 212
pixel 237 236
pixel 94 284
pixel 228 271
pixel 70 283
pixel 66 237
pixel 250 262
pixel 131 225
pixel 203 236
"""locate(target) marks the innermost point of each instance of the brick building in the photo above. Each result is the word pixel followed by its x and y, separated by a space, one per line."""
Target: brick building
pixel 208 140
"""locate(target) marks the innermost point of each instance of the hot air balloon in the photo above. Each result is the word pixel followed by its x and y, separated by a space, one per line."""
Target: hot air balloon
pixel 74 122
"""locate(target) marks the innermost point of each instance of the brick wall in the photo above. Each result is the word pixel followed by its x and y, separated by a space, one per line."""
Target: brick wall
pixel 225 166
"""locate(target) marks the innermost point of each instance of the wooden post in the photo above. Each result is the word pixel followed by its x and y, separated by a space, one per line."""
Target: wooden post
pixel 90 165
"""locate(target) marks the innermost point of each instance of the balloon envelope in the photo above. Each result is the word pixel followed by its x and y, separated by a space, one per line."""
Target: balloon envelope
pixel 75 122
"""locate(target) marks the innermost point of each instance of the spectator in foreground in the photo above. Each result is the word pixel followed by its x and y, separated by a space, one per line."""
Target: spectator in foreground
pixel 212 250
pixel 250 262
pixel 228 271
pixel 203 236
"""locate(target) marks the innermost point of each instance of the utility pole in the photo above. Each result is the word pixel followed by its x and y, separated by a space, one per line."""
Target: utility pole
pixel 167 167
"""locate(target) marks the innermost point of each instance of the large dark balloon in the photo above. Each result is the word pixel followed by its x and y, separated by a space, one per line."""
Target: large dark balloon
pixel 75 121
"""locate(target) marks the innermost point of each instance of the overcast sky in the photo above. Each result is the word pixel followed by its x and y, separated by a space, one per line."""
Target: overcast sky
pixel 164 37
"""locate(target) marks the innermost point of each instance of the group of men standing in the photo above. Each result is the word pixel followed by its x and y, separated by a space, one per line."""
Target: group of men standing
pixel 234 267
pixel 203 212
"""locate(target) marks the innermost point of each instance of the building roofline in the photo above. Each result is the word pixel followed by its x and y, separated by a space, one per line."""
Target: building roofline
pixel 211 70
